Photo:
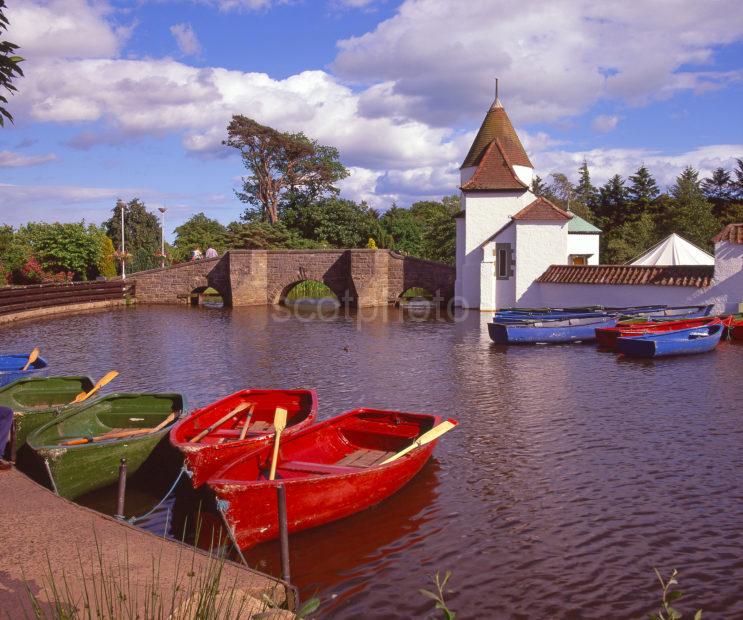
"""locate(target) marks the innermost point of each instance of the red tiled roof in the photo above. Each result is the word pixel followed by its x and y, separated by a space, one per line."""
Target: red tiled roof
pixel 732 233
pixel 494 172
pixel 678 275
pixel 542 209
pixel 497 125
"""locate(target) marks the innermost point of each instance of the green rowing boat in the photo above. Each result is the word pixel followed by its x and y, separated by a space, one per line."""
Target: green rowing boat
pixel 83 448
pixel 38 400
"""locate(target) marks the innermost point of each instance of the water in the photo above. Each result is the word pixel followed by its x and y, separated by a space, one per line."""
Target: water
pixel 571 475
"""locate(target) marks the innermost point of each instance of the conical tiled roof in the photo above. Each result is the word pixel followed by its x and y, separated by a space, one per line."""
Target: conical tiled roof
pixel 494 172
pixel 497 125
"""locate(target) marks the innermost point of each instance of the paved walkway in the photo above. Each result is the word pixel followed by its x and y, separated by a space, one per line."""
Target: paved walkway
pixel 43 533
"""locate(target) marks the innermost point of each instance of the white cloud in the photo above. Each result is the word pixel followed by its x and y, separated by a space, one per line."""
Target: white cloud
pixel 436 59
pixel 604 163
pixel 9 159
pixel 64 28
pixel 186 39
pixel 604 123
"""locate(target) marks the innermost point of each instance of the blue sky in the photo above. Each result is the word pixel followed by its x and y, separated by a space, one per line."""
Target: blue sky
pixel 125 99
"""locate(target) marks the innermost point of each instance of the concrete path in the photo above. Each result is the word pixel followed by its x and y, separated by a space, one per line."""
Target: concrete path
pixel 43 534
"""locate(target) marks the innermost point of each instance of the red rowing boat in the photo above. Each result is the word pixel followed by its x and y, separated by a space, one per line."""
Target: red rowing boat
pixel 606 337
pixel 736 330
pixel 330 470
pixel 221 444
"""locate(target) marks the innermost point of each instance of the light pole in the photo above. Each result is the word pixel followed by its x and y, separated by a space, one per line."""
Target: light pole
pixel 162 235
pixel 123 247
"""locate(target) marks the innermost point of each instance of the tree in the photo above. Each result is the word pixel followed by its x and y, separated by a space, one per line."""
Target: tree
pixel 738 183
pixel 538 188
pixel 64 248
pixel 283 166
pixel 612 204
pixel 405 229
pixel 335 222
pixel 629 240
pixel 142 234
pixel 202 231
pixel 106 263
pixel 642 191
pixel 691 215
pixel 719 189
pixel 9 67
pixel 265 236
pixel 586 194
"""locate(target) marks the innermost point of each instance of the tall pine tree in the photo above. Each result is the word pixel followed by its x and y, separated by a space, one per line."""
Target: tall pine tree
pixel 585 193
pixel 612 204
pixel 642 191
pixel 691 215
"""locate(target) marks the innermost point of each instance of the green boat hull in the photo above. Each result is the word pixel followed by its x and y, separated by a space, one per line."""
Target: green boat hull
pixel 80 469
pixel 37 401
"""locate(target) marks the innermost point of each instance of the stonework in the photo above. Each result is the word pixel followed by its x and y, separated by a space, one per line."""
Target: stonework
pixel 257 277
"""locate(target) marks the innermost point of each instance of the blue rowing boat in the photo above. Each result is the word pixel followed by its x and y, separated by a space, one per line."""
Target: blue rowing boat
pixel 680 312
pixel 679 342
pixel 11 365
pixel 555 331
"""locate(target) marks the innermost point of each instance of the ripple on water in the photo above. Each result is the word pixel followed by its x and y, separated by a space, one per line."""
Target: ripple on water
pixel 571 474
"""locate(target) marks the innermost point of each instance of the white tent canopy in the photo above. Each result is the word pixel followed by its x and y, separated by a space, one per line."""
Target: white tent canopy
pixel 674 250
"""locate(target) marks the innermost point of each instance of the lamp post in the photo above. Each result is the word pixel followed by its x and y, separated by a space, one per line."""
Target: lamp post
pixel 123 247
pixel 162 235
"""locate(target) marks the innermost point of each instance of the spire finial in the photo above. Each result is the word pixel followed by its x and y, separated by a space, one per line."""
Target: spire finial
pixel 496 103
pixel 496 89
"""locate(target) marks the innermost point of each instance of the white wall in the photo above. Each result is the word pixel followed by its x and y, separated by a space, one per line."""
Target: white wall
pixel 538 245
pixel 584 244
pixel 504 294
pixel 458 283
pixel 727 287
pixel 524 174
pixel 485 213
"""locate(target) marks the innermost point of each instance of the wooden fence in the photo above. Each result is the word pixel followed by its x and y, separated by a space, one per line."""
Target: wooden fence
pixel 21 298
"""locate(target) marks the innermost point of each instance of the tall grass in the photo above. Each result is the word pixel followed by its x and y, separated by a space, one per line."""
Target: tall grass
pixel 107 590
pixel 310 289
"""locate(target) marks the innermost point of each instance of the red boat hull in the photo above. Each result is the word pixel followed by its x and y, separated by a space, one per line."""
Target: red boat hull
pixel 606 337
pixel 737 330
pixel 205 458
pixel 318 489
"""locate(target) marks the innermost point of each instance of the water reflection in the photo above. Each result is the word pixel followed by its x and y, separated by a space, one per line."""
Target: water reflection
pixel 571 474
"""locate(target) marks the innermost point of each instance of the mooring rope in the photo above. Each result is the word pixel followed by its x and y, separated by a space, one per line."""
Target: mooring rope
pixel 133 520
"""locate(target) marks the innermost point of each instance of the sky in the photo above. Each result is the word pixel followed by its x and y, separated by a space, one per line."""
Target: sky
pixel 125 99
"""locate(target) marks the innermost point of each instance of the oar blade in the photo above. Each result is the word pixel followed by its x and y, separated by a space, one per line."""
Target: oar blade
pixel 425 438
pixel 279 420
pixel 31 358
pixel 104 380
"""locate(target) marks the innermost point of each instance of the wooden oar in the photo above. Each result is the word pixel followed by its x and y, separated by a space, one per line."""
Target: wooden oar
pixel 244 431
pixel 120 434
pixel 219 422
pixel 31 359
pixel 104 380
pixel 425 438
pixel 279 424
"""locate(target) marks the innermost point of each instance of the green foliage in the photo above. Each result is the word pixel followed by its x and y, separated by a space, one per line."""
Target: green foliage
pixel 643 190
pixel 142 234
pixel 64 247
pixel 691 215
pixel 106 263
pixel 667 612
pixel 310 289
pixel 629 240
pixel 199 231
pixel 9 67
pixel 405 229
pixel 334 222
pixel 265 236
pixel 439 596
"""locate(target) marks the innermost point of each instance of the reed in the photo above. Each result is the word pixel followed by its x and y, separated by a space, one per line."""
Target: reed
pixel 310 289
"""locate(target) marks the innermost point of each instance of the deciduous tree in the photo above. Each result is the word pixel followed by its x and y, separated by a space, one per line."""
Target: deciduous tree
pixel 142 234
pixel 202 231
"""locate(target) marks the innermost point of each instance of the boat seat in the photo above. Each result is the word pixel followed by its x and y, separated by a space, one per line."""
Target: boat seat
pixel 364 457
pixel 316 468
pixel 258 427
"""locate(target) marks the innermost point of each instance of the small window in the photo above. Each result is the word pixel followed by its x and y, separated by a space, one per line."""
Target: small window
pixel 502 267
pixel 579 259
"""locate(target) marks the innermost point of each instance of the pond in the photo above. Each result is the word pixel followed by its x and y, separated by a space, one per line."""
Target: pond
pixel 572 472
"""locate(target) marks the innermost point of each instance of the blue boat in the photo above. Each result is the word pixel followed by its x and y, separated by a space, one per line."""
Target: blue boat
pixel 11 367
pixel 555 331
pixel 679 342
pixel 680 312
pixel 546 316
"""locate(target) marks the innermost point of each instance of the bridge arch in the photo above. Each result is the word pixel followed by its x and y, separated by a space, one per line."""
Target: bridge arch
pixel 285 292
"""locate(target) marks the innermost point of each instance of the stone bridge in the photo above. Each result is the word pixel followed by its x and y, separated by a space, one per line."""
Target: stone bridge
pixel 258 277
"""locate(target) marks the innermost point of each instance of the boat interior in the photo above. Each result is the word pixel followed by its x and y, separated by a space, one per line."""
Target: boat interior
pixel 362 439
pixel 300 404
pixel 44 393
pixel 117 412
